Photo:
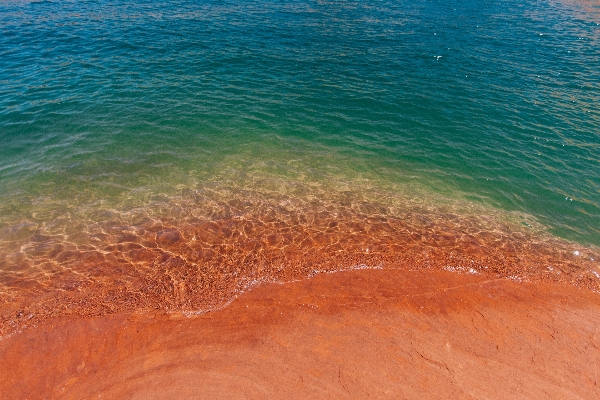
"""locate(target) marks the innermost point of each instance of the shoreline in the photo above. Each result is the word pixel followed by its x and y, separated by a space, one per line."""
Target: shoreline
pixel 198 266
pixel 352 334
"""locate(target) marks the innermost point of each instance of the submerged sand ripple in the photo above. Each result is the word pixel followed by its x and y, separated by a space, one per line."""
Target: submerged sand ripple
pixel 197 262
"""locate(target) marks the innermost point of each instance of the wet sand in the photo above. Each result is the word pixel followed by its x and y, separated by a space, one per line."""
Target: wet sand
pixel 354 334
pixel 196 264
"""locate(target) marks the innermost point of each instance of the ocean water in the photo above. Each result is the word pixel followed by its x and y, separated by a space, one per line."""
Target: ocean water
pixel 172 154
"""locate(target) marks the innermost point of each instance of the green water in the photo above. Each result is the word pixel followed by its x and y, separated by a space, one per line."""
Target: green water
pixel 172 155
pixel 115 113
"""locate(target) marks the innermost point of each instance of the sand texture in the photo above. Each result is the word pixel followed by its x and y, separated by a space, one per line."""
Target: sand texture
pixel 353 334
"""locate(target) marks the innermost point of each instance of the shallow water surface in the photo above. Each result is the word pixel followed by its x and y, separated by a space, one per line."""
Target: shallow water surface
pixel 172 154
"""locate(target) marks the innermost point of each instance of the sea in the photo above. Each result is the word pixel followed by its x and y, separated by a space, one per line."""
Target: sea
pixel 171 155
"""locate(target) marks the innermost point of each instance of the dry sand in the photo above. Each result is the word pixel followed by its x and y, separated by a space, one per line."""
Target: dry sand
pixel 354 334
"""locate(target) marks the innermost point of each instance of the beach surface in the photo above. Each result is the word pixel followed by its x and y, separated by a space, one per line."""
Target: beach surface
pixel 293 199
pixel 378 333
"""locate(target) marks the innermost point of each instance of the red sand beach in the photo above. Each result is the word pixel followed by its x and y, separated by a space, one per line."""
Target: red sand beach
pixel 354 334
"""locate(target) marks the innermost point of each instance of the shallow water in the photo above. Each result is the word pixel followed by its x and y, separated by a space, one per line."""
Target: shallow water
pixel 173 154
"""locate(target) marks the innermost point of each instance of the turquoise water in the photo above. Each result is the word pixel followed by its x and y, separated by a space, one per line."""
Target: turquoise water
pixel 498 100
pixel 113 112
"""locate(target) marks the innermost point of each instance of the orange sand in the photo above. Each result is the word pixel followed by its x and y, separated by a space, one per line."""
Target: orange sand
pixel 355 334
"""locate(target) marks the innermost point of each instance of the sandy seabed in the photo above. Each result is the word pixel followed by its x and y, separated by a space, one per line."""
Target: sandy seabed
pixel 379 333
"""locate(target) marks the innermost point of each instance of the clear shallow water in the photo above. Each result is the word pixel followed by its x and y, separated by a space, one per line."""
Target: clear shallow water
pixel 94 92
pixel 116 114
